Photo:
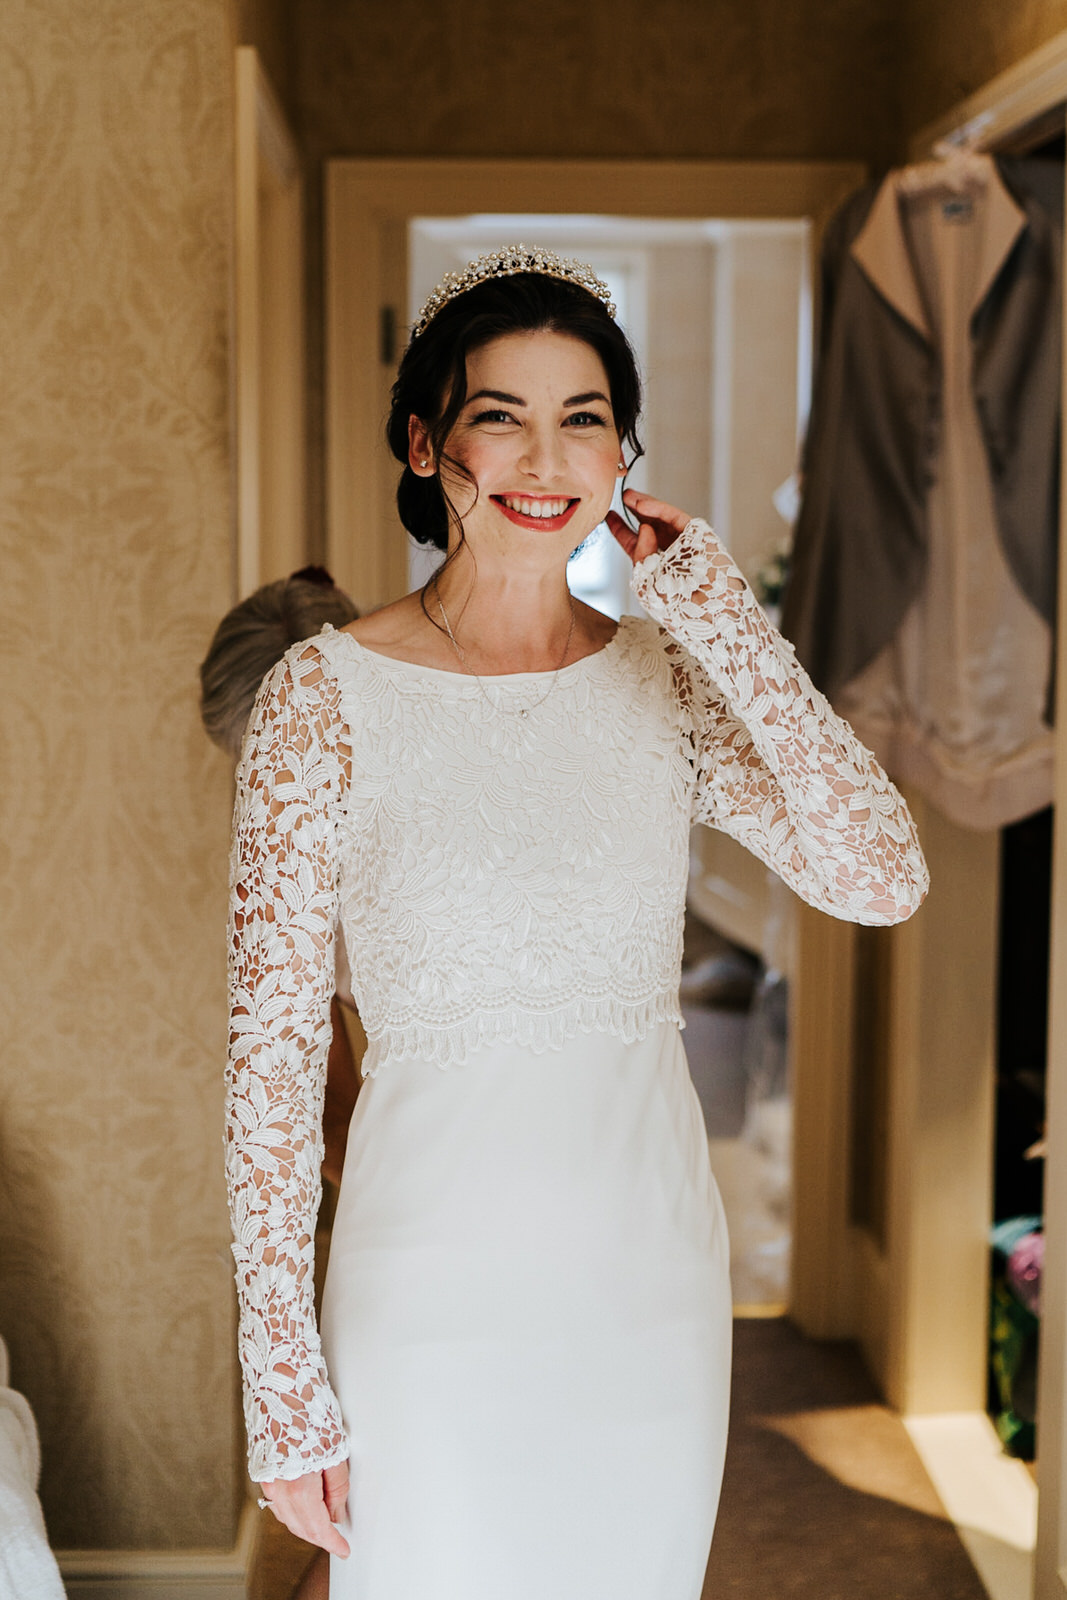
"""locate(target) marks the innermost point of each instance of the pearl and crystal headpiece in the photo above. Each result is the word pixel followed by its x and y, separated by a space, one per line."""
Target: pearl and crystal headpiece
pixel 506 263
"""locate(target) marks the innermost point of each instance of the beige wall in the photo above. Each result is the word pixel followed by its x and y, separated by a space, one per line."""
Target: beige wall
pixel 761 285
pixel 610 78
pixel 954 47
pixel 116 522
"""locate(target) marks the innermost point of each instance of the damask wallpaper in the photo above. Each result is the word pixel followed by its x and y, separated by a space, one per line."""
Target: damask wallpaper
pixel 730 79
pixel 116 529
pixel 117 555
pixel 953 48
pixel 610 78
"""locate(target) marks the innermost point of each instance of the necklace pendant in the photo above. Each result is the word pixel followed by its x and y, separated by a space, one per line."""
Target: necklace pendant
pixel 523 711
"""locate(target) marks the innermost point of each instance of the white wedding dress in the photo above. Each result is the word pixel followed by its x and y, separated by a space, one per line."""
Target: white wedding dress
pixel 526 1322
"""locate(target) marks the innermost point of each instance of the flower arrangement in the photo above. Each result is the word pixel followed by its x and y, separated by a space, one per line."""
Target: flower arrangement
pixel 770 581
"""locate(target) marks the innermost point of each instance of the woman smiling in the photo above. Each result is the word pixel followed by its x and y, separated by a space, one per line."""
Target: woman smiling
pixel 523 1379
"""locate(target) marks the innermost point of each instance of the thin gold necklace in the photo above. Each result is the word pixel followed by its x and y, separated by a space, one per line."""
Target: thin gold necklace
pixel 523 711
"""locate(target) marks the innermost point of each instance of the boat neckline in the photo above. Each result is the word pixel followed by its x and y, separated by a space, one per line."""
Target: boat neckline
pixel 420 669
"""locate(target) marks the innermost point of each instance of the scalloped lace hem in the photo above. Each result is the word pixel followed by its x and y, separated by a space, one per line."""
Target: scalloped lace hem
pixel 450 1044
pixel 263 1471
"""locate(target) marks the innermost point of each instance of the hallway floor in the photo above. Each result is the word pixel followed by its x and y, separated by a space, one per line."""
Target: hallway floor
pixel 824 1495
pixel 749 1138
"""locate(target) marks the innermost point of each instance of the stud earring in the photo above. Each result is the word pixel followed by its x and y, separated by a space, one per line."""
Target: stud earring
pixel 622 466
pixel 424 463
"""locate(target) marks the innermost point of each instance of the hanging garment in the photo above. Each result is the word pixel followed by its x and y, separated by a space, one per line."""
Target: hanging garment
pixel 923 590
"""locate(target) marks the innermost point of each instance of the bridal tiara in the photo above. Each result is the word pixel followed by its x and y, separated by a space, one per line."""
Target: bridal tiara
pixel 505 263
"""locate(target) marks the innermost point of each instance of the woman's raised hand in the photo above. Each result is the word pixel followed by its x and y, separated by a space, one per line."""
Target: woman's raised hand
pixel 309 1506
pixel 660 525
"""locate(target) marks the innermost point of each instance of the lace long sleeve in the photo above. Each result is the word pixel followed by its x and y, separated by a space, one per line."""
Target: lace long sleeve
pixel 283 894
pixel 777 768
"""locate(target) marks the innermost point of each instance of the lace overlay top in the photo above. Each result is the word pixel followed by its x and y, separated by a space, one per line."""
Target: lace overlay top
pixel 501 877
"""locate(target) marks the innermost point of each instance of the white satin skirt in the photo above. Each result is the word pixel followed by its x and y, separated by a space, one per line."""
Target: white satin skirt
pixel 527 1322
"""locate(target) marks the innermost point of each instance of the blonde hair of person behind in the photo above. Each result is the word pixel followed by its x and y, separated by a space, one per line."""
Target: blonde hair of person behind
pixel 253 637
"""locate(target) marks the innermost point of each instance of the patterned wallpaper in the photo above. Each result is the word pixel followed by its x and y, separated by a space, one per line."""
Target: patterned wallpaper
pixel 611 78
pixel 954 47
pixel 733 79
pixel 116 533
pixel 115 522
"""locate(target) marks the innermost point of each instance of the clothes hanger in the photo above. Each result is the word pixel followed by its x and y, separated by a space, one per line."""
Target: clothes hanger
pixel 957 163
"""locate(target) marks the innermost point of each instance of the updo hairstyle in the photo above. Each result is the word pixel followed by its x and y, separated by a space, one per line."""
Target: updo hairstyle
pixel 432 381
pixel 253 637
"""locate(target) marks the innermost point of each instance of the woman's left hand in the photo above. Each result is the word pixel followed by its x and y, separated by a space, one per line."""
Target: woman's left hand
pixel 659 525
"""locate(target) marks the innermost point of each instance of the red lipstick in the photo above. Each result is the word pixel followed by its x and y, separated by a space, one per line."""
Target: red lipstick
pixel 521 520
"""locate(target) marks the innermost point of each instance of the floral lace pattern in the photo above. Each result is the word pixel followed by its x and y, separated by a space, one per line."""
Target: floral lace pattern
pixel 778 769
pixel 501 877
pixel 495 884
pixel 283 906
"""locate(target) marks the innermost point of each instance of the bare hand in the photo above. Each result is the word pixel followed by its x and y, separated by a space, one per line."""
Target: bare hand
pixel 660 525
pixel 309 1506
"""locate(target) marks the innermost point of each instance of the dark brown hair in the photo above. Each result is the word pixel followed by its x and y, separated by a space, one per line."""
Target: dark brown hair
pixel 432 381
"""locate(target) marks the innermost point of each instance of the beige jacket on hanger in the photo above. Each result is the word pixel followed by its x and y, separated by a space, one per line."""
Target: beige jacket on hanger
pixel 955 701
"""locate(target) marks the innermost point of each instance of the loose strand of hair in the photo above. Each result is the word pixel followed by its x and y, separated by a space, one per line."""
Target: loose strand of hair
pixel 461 543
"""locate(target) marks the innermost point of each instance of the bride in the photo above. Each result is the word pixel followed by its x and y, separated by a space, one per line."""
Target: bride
pixel 522 1384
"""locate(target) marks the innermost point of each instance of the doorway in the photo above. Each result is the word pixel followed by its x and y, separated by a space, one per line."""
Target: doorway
pixel 719 314
pixel 371 261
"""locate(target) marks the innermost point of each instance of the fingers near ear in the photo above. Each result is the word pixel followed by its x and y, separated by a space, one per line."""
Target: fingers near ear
pixel 644 542
pixel 647 544
pixel 646 505
pixel 623 534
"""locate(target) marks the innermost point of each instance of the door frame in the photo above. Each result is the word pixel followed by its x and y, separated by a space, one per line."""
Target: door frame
pixel 368 206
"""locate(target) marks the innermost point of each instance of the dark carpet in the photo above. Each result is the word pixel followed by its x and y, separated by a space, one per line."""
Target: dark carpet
pixel 824 1494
